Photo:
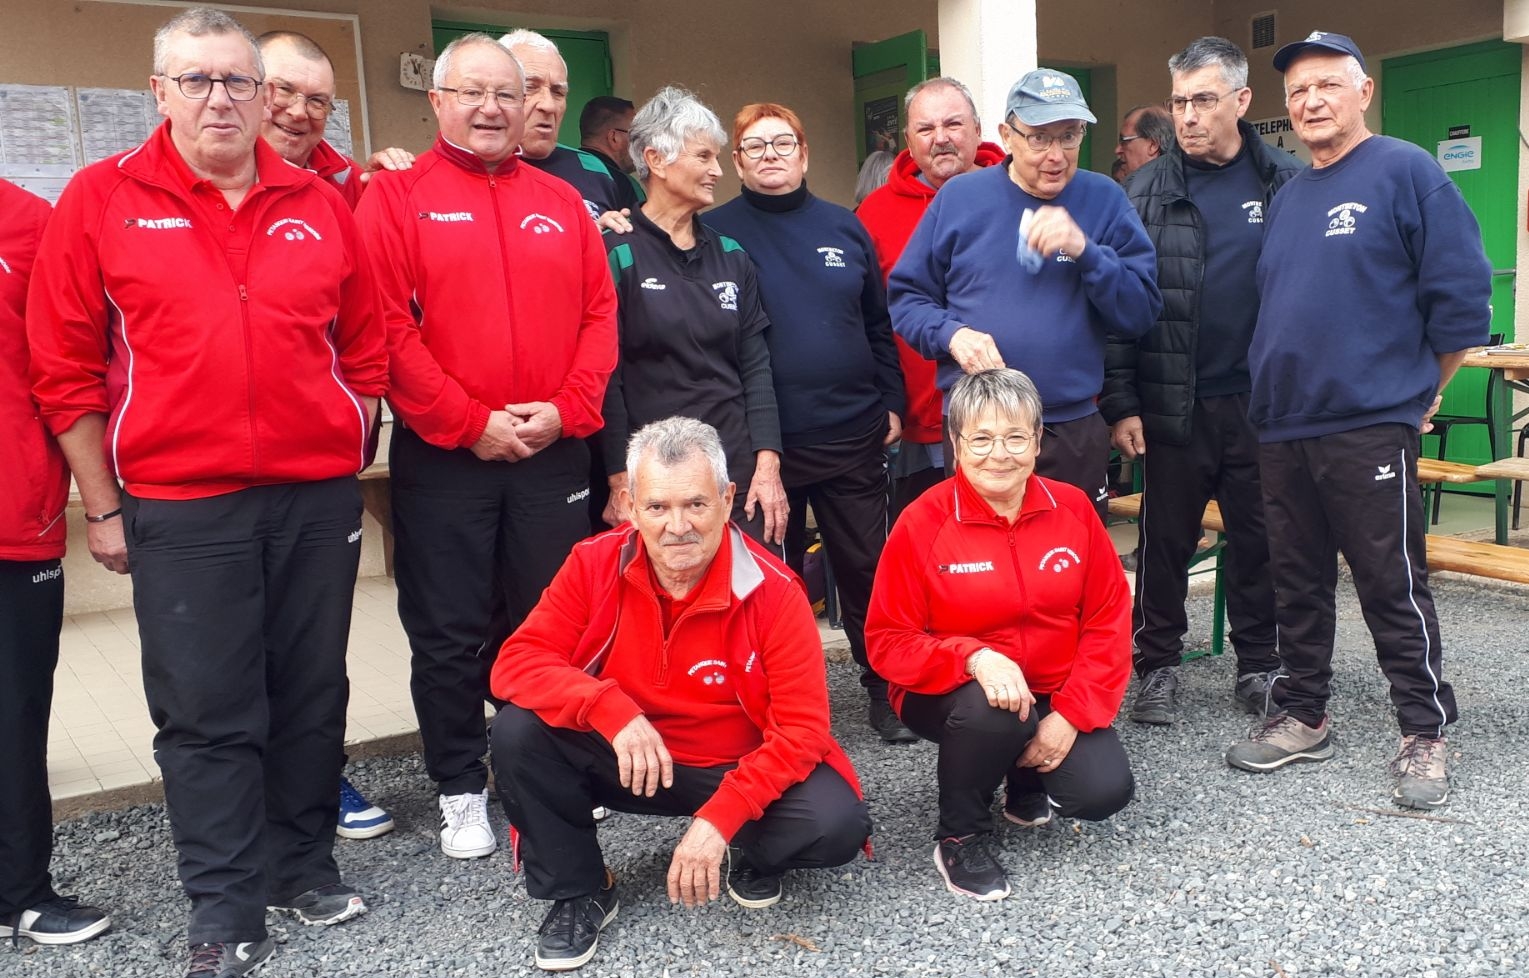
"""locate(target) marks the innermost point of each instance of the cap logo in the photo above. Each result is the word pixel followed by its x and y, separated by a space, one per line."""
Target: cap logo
pixel 1052 81
pixel 1316 35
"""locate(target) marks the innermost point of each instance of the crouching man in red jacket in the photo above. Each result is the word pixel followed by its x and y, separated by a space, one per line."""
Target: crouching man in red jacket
pixel 672 668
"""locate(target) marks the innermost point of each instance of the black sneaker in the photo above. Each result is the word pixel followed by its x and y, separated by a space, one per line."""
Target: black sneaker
pixel 1254 692
pixel 56 920
pixel 323 905
pixel 886 724
pixel 229 960
pixel 1031 809
pixel 969 869
pixel 571 930
pixel 748 886
pixel 1157 700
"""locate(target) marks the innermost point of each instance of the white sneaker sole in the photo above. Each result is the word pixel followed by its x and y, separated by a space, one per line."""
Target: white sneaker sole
pixel 939 865
pixel 368 832
pixel 569 964
pixel 73 937
pixel 476 852
pixel 1320 754
pixel 743 901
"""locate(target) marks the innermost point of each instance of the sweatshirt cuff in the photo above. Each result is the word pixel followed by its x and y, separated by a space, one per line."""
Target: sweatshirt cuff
pixel 477 423
pixel 611 711
pixel 1091 257
pixel 942 335
pixel 727 809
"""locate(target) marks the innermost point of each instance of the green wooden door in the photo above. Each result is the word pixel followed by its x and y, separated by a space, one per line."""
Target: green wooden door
pixel 588 54
pixel 1442 97
pixel 884 71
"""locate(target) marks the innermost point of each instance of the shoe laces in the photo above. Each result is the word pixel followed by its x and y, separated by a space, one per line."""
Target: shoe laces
pixel 971 852
pixel 1270 727
pixel 350 797
pixel 1157 682
pixel 206 959
pixel 62 905
pixel 1416 757
pixel 465 810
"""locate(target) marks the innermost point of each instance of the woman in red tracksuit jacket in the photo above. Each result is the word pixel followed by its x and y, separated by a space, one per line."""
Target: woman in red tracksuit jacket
pixel 1001 620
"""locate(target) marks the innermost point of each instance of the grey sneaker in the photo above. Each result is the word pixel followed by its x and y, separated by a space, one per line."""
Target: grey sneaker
pixel 229 960
pixel 1422 777
pixel 1157 701
pixel 1253 692
pixel 1280 740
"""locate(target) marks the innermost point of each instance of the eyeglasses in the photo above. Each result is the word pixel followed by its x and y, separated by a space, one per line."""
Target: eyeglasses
pixel 240 88
pixel 317 106
pixel 754 148
pixel 477 96
pixel 1041 141
pixel 1127 139
pixel 1202 101
pixel 1015 443
pixel 622 131
pixel 1328 88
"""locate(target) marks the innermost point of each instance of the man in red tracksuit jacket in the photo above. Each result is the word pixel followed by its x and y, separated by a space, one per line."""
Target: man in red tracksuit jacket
pixel 673 667
pixel 501 323
pixel 944 140
pixel 32 531
pixel 206 330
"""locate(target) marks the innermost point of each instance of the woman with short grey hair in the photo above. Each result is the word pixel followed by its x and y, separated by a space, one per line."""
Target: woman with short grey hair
pixel 1002 623
pixel 692 326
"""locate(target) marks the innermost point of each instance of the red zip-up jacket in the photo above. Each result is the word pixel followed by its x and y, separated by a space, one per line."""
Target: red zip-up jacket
pixel 496 291
pixel 1046 590
pixel 890 214
pixel 227 355
pixel 745 642
pixel 35 486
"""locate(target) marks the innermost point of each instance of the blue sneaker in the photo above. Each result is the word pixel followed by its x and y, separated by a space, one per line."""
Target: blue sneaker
pixel 359 818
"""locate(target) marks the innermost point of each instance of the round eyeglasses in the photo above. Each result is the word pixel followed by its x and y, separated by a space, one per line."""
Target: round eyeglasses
pixel 1015 443
pixel 1039 142
pixel 754 148
pixel 317 106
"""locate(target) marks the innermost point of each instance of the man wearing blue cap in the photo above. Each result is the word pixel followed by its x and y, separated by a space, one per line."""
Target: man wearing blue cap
pixel 1373 283
pixel 1029 265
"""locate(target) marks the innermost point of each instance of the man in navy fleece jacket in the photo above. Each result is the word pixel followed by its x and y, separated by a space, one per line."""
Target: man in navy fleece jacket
pixel 961 296
pixel 1373 282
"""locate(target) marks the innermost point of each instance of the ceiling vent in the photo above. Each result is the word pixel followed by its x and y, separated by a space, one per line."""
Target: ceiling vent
pixel 1263 31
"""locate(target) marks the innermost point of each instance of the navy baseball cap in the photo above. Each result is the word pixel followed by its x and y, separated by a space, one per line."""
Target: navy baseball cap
pixel 1045 96
pixel 1318 41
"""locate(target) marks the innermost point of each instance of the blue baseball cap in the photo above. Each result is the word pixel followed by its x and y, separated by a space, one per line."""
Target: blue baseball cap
pixel 1045 96
pixel 1317 41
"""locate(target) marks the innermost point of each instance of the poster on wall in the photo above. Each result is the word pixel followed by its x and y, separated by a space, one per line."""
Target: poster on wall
pixel 1279 132
pixel 881 124
pixel 39 146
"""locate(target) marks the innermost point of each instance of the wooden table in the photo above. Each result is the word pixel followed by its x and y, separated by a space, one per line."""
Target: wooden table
pixel 1514 368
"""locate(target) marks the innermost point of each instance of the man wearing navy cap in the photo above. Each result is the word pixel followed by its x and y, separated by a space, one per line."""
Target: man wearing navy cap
pixel 1029 265
pixel 1373 283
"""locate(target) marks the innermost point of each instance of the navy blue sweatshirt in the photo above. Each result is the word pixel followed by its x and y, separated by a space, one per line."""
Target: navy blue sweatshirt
pixel 588 176
pixel 1230 200
pixel 1371 267
pixel 831 349
pixel 959 269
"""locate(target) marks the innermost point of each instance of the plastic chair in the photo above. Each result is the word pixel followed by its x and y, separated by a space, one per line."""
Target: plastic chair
pixel 1443 423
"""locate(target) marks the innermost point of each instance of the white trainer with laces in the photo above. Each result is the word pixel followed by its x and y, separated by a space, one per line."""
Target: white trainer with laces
pixel 465 832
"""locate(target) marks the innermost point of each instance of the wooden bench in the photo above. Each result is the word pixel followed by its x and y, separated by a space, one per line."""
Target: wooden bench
pixel 377 500
pixel 1477 558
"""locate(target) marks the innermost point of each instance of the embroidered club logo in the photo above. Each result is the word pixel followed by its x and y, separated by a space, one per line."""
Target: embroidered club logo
pixel 713 671
pixel 727 295
pixel 1383 472
pixel 593 208
pixel 540 224
pixel 832 257
pixel 652 282
pixel 1255 211
pixel 1343 219
pixel 1316 35
pixel 1059 559
pixel 293 229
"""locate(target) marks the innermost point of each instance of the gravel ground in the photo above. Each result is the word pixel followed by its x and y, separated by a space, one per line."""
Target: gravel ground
pixel 1210 872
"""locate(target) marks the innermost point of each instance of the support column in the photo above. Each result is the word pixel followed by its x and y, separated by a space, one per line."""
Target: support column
pixel 988 45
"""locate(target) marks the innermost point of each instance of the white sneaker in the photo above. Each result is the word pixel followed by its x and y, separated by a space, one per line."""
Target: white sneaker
pixel 465 832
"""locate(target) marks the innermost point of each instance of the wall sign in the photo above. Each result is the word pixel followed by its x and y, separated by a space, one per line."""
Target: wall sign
pixel 1279 132
pixel 1460 154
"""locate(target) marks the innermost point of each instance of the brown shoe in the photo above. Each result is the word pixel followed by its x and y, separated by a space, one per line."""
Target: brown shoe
pixel 1422 776
pixel 1280 740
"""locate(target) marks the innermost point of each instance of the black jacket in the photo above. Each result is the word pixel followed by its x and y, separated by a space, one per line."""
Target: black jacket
pixel 1154 376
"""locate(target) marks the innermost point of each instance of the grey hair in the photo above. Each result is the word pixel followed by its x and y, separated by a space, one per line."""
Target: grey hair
pixel 1154 123
pixel 443 62
pixel 944 81
pixel 673 441
pixel 1356 71
pixel 1203 52
pixel 670 118
pixel 201 22
pixel 1005 391
pixel 522 37
pixel 873 174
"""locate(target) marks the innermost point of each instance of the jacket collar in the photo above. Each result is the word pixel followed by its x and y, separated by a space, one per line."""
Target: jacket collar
pixel 743 578
pixel 1260 153
pixel 157 161
pixel 329 163
pixel 971 508
pixel 905 181
pixel 466 159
